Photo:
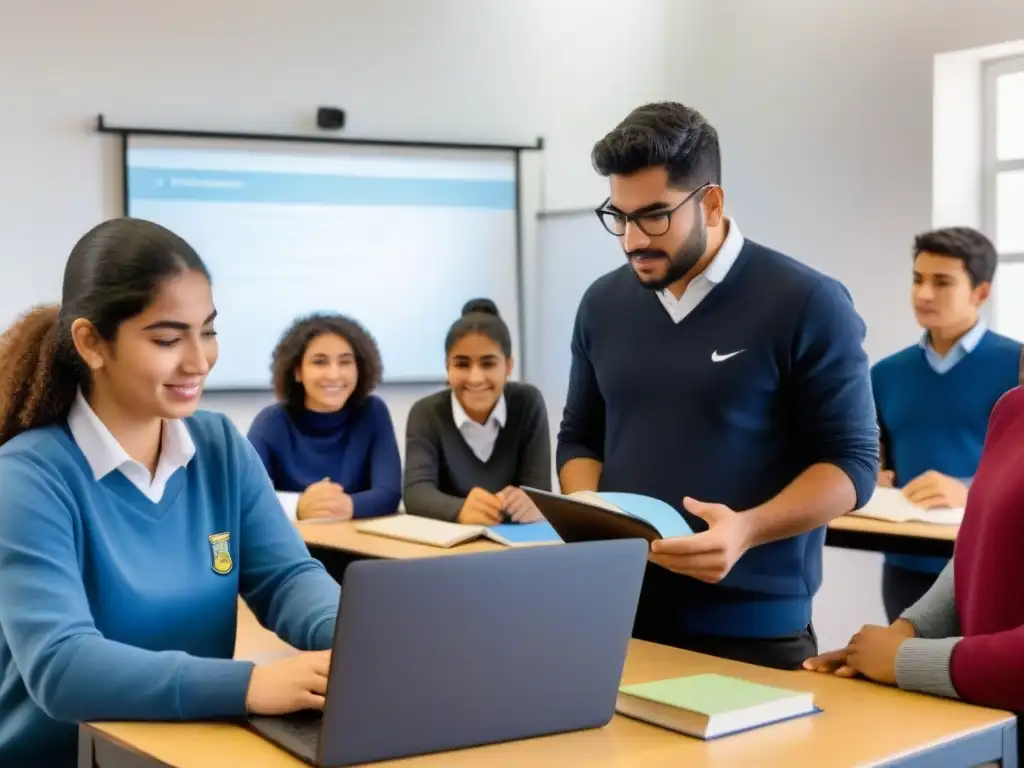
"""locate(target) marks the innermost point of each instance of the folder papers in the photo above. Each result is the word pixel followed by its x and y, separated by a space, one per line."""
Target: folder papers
pixel 439 533
pixel 592 516
pixel 708 706
pixel 890 504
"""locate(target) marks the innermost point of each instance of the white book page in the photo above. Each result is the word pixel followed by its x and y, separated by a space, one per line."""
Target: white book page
pixel 890 504
pixel 591 498
pixel 421 530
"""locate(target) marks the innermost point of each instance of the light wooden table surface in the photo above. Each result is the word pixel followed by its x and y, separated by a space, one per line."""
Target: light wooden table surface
pixel 862 724
pixel 914 530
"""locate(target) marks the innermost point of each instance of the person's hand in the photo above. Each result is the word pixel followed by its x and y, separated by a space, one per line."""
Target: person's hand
pixel 711 554
pixel 480 508
pixel 518 506
pixel 324 499
pixel 886 478
pixel 292 684
pixel 871 653
pixel 932 489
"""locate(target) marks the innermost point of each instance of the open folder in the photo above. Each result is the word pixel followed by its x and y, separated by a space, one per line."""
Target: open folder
pixel 593 515
pixel 439 533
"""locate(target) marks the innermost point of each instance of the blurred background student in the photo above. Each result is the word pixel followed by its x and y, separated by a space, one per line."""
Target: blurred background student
pixel 329 445
pixel 471 446
pixel 934 398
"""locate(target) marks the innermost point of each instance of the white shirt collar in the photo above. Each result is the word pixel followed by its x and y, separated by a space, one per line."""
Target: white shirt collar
pixel 967 342
pixel 498 415
pixel 105 455
pixel 726 256
pixel 713 274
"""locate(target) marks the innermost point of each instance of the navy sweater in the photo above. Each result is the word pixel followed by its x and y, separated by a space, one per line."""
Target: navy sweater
pixel 938 421
pixel 657 404
pixel 355 447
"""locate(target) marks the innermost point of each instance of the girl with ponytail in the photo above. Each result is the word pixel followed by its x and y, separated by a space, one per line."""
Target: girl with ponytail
pixel 130 522
pixel 470 447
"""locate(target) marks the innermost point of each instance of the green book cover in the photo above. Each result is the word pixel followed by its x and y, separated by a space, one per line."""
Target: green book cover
pixel 708 694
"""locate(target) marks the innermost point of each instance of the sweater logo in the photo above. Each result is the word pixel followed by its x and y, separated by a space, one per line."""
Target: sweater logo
pixel 222 562
pixel 717 358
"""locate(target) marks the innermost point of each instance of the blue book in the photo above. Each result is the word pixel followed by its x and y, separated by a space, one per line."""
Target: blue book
pixel 593 515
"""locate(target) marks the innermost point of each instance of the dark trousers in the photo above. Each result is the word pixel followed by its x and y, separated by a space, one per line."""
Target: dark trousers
pixel 778 652
pixel 901 588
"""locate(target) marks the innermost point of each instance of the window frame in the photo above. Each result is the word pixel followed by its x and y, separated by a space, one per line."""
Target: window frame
pixel 992 166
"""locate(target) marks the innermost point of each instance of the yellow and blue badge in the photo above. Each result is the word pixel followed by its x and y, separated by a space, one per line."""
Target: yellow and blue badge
pixel 222 562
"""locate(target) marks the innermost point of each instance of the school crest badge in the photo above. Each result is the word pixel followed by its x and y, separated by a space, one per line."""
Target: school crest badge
pixel 222 562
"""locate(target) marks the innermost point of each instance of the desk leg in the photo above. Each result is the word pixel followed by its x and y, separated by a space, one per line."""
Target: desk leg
pixel 1013 743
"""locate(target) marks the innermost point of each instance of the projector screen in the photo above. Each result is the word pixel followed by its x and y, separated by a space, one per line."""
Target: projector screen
pixel 398 238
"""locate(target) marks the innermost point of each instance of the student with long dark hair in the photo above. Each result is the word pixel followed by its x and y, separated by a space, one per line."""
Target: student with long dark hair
pixel 130 522
pixel 329 444
pixel 470 447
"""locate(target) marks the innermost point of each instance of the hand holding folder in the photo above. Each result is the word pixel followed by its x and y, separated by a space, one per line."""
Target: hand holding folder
pixel 709 555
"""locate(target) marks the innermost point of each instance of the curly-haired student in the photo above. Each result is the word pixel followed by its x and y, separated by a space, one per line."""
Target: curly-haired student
pixel 329 444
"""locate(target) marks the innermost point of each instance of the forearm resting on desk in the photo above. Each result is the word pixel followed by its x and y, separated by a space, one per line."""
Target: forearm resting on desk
pixel 923 662
pixel 580 475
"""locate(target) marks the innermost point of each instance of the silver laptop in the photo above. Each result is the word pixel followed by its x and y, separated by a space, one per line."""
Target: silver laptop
pixel 441 653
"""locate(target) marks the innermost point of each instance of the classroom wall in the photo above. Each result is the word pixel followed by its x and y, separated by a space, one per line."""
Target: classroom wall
pixel 825 114
pixel 447 69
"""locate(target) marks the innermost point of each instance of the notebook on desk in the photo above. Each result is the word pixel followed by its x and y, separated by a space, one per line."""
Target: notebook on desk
pixel 593 516
pixel 890 504
pixel 708 706
pixel 439 533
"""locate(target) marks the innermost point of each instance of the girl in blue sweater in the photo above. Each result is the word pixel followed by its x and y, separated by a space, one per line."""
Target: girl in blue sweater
pixel 329 444
pixel 130 523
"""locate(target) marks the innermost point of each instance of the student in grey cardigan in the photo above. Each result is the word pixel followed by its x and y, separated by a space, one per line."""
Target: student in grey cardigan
pixel 471 446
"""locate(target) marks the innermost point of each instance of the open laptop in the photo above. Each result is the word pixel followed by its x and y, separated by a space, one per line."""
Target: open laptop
pixel 441 653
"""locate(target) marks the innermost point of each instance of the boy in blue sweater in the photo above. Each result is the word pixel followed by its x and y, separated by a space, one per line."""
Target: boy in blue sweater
pixel 712 368
pixel 329 445
pixel 934 398
pixel 130 524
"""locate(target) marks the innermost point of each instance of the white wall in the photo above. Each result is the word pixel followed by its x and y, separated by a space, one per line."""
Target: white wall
pixel 474 70
pixel 825 115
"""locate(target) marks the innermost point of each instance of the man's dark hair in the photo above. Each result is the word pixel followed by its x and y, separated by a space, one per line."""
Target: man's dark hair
pixel 969 245
pixel 662 134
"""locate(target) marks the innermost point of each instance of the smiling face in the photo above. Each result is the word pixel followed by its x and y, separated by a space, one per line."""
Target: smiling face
pixel 477 372
pixel 945 298
pixel 157 363
pixel 328 373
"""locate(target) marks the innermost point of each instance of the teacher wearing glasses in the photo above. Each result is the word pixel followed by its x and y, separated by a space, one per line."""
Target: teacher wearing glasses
pixel 725 379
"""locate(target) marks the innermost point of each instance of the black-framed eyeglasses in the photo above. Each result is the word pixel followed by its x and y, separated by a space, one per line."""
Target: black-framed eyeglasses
pixel 652 224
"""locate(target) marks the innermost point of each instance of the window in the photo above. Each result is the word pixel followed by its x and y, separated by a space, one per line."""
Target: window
pixel 1004 188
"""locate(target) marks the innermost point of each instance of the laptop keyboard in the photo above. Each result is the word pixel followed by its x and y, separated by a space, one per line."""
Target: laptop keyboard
pixel 303 727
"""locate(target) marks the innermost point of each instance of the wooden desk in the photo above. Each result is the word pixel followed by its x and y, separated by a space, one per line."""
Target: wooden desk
pixel 852 532
pixel 862 724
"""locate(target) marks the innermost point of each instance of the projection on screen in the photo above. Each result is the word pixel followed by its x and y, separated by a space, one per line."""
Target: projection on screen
pixel 397 238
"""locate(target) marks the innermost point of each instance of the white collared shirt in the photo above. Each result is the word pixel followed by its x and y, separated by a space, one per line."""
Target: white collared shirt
pixel 963 347
pixel 480 437
pixel 712 275
pixel 105 455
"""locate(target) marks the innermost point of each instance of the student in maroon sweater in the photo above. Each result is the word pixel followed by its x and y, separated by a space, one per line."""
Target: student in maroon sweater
pixel 965 638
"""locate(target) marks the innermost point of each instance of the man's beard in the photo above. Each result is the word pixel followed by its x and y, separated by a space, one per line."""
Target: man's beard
pixel 679 263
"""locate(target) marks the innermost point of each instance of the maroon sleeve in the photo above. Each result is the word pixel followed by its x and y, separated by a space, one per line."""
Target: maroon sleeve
pixel 986 669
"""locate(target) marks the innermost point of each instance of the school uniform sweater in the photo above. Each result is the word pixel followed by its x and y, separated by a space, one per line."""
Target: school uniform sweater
pixel 933 413
pixel 765 377
pixel 354 447
pixel 115 606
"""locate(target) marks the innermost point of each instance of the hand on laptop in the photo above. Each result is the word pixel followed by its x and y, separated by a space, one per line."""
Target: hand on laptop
pixel 480 508
pixel 518 506
pixel 325 499
pixel 289 685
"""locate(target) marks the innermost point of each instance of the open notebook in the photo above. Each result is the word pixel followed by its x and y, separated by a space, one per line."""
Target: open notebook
pixel 890 504
pixel 438 533
pixel 593 515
